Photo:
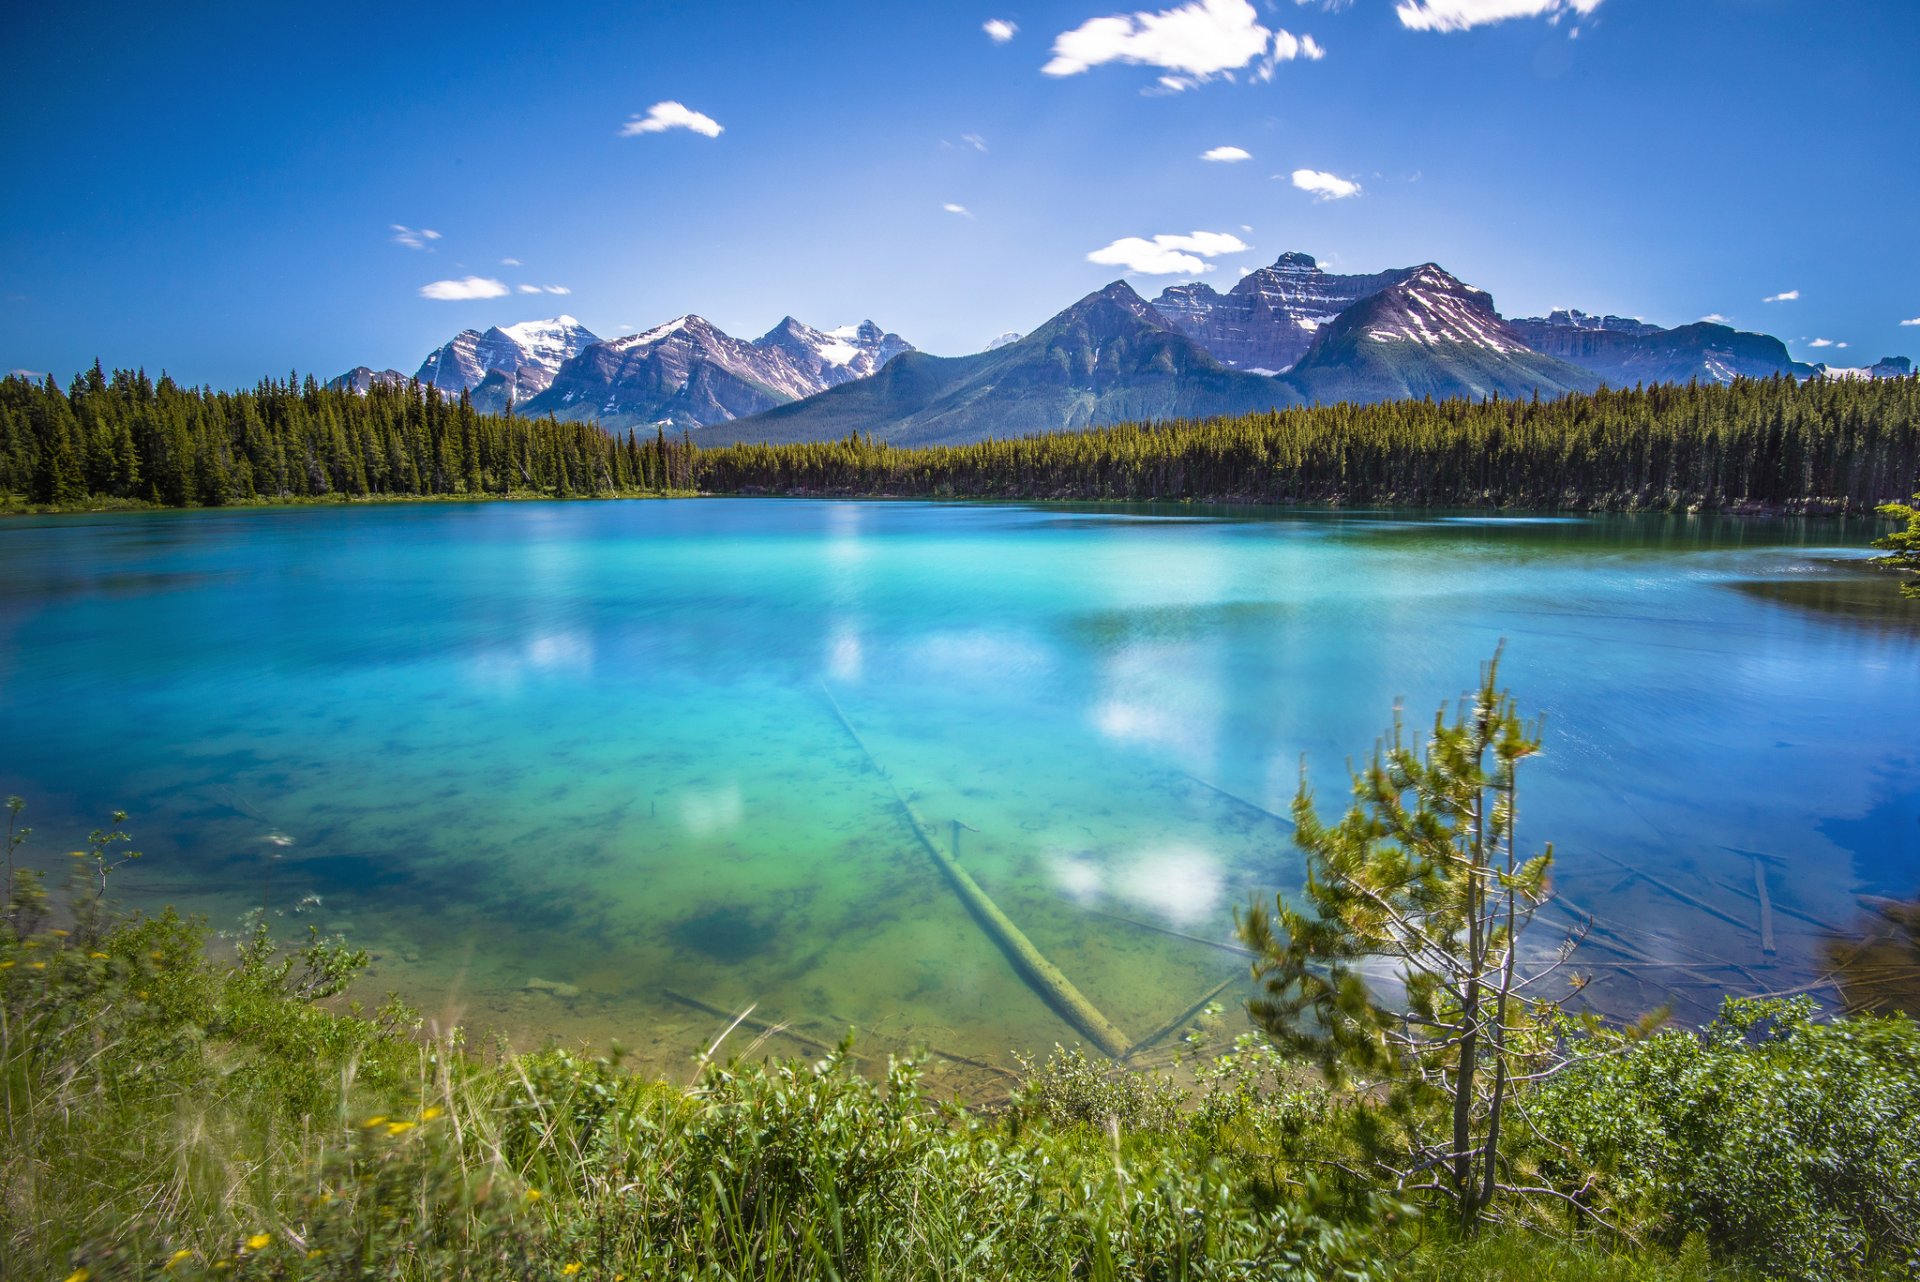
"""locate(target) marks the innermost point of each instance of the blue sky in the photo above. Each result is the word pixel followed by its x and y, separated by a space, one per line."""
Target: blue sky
pixel 219 193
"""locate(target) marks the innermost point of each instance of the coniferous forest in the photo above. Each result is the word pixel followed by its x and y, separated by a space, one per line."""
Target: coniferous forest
pixel 1766 445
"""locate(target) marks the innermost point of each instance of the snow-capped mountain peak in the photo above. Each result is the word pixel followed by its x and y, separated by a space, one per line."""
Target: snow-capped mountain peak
pixel 1431 307
pixel 526 355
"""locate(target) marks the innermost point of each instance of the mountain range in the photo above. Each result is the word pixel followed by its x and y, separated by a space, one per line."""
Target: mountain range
pixel 1287 334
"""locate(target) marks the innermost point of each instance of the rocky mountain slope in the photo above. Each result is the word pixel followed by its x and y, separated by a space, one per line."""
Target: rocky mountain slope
pixel 512 361
pixel 691 373
pixel 1427 334
pixel 1623 353
pixel 1109 358
pixel 1268 320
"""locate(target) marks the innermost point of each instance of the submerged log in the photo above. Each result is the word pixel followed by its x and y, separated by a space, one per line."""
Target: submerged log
pixel 1182 1018
pixel 1042 975
pixel 1766 906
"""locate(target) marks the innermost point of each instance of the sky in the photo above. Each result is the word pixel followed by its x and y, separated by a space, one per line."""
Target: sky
pixel 224 192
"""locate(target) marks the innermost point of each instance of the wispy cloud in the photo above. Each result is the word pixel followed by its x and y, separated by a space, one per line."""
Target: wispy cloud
pixel 1168 255
pixel 1192 42
pixel 961 210
pixel 413 237
pixel 1822 342
pixel 1784 296
pixel 510 262
pixel 974 141
pixel 467 287
pixel 1713 318
pixel 543 289
pixel 1226 155
pixel 1463 15
pixel 1914 321
pixel 1325 186
pixel 662 116
pixel 999 30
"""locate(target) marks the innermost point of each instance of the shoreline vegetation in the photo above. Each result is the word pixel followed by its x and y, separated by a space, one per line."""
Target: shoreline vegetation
pixel 1756 447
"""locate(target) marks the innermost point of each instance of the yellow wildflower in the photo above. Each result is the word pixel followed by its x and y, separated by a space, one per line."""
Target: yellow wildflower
pixel 377 1119
pixel 572 1269
pixel 259 1241
pixel 399 1128
pixel 39 965
pixel 6 965
pixel 79 1275
pixel 429 1114
pixel 176 1257
pixel 316 1253
pixel 221 1266
pixel 98 956
pixel 58 934
pixel 533 1195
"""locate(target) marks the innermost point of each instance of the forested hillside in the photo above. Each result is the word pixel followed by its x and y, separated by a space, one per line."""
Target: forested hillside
pixel 1772 443
pixel 1768 444
pixel 128 438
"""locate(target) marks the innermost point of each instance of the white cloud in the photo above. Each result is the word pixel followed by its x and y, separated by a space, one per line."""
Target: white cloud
pixel 1226 155
pixel 1785 296
pixel 1822 342
pixel 1325 186
pixel 1713 318
pixel 509 262
pixel 528 289
pixel 543 289
pixel 467 287
pixel 974 141
pixel 1462 15
pixel 1194 42
pixel 662 116
pixel 413 238
pixel 1169 255
pixel 961 210
pixel 1914 321
pixel 999 30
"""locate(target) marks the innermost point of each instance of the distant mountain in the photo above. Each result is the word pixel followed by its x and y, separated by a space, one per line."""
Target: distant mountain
pixel 1109 358
pixel 362 379
pixel 1005 340
pixel 1427 334
pixel 1267 321
pixel 1624 353
pixel 691 373
pixel 1885 367
pixel 835 356
pixel 517 361
pixel 1574 318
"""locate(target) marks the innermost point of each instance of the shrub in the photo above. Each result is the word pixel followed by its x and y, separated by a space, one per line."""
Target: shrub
pixel 1788 1143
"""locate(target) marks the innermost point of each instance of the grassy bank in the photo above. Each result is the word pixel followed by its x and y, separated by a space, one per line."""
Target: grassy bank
pixel 171 1114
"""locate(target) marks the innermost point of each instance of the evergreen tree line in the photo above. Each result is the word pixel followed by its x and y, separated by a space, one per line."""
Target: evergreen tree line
pixel 130 438
pixel 1771 443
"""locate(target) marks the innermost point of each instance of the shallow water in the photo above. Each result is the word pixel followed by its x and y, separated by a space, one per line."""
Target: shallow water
pixel 588 743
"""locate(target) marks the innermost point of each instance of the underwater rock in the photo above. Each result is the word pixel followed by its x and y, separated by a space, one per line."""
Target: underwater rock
pixel 566 992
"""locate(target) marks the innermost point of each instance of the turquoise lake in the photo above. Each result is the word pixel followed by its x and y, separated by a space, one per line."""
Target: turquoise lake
pixel 591 744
